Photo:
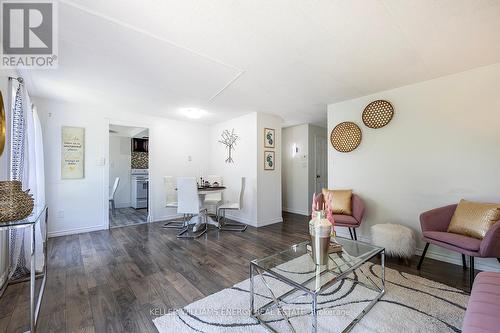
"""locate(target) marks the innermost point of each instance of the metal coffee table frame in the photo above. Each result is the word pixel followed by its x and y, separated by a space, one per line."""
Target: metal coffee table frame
pixel 257 270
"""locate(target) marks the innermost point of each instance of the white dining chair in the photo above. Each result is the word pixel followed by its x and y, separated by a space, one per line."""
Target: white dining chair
pixel 221 213
pixel 171 202
pixel 213 200
pixel 188 203
pixel 112 195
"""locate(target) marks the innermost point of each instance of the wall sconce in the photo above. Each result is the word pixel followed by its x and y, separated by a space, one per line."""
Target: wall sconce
pixel 295 150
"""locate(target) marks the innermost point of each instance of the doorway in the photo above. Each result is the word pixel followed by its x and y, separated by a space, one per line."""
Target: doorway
pixel 128 175
pixel 320 162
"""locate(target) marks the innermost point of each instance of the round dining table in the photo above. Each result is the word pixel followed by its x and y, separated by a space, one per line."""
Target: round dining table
pixel 198 220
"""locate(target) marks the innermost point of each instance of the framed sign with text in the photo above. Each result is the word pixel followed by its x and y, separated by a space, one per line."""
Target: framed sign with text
pixel 72 152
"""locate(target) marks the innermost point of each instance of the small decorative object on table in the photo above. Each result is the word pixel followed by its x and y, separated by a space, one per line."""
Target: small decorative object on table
pixel 334 247
pixel 320 212
pixel 15 204
pixel 320 230
pixel 398 240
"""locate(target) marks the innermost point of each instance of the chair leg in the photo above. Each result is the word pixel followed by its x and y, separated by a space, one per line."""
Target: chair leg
pixel 230 226
pixel 350 233
pixel 422 256
pixel 464 264
pixel 176 224
pixel 194 235
pixel 354 232
pixel 113 208
pixel 472 271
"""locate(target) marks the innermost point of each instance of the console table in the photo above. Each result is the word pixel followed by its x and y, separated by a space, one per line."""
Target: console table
pixel 30 223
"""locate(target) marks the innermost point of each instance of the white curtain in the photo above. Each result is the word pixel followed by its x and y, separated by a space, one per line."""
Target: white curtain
pixel 28 167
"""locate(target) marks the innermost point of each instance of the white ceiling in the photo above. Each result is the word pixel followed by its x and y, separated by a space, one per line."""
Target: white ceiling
pixel 285 57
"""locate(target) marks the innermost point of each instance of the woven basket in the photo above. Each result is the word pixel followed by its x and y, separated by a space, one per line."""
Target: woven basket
pixel 14 203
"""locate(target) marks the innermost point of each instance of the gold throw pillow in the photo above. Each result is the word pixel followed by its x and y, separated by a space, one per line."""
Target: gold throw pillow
pixel 339 200
pixel 474 219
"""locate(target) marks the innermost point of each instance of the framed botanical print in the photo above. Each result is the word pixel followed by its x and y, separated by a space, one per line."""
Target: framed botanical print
pixel 269 139
pixel 269 160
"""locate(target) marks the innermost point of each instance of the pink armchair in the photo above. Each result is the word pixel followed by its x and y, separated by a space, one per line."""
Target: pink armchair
pixel 348 221
pixel 435 224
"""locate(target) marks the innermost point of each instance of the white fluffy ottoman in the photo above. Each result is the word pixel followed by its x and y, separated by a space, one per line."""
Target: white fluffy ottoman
pixel 398 240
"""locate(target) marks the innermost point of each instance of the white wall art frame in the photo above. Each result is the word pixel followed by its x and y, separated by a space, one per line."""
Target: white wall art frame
pixel 72 152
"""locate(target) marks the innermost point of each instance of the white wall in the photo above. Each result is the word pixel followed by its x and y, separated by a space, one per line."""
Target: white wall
pixel 119 166
pixel 262 198
pixel 81 205
pixel 442 145
pixel 295 169
pixel 245 165
pixel 269 203
pixel 299 171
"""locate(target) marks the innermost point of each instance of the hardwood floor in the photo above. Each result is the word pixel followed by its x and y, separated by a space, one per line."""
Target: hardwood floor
pixel 110 281
pixel 127 216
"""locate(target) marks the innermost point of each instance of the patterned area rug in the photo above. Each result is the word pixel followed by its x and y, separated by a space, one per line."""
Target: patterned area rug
pixel 410 304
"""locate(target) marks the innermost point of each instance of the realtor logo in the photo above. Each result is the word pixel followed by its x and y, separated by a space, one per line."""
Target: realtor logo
pixel 29 34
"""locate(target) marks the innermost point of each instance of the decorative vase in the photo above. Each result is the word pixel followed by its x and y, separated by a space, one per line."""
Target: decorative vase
pixel 319 230
pixel 15 204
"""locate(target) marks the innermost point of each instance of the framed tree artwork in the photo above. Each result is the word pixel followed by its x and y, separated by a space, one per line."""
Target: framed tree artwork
pixel 269 138
pixel 229 140
pixel 269 161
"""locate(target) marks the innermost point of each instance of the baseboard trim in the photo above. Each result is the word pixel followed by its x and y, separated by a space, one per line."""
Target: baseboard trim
pixel 269 222
pixel 75 231
pixel 123 204
pixel 456 259
pixel 240 219
pixel 296 211
pixel 252 223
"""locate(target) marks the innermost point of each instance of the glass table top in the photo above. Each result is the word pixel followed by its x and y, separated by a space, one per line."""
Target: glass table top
pixel 296 266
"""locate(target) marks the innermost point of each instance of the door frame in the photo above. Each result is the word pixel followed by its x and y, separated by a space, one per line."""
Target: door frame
pixel 318 138
pixel 119 122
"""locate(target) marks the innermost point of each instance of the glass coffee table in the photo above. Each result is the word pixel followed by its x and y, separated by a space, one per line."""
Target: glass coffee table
pixel 309 280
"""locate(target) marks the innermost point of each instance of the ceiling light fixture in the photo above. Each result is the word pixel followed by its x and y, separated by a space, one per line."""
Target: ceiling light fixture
pixel 193 113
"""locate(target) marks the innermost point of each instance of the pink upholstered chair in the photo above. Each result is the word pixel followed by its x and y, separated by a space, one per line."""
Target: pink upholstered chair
pixel 435 224
pixel 348 221
pixel 484 305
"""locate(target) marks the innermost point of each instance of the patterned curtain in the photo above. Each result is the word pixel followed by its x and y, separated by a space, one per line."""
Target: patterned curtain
pixel 27 167
pixel 18 137
pixel 18 266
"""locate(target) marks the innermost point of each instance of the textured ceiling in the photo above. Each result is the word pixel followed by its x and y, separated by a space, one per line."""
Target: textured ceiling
pixel 286 57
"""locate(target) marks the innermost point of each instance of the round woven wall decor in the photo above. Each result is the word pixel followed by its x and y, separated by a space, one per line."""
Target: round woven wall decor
pixel 377 114
pixel 345 137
